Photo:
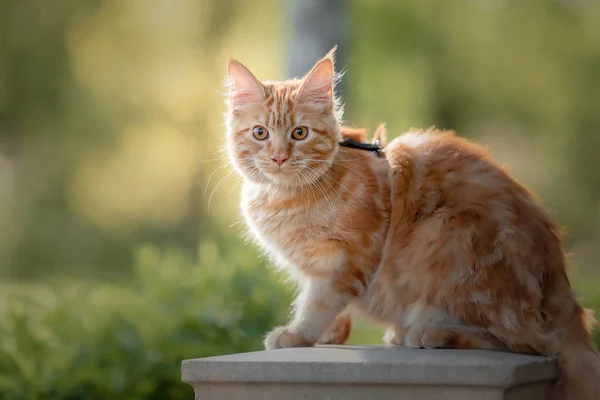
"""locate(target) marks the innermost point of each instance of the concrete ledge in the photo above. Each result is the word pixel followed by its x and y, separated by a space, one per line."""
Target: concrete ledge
pixel 373 372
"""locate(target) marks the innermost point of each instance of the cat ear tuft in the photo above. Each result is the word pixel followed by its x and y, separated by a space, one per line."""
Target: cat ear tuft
pixel 244 88
pixel 331 53
pixel 317 85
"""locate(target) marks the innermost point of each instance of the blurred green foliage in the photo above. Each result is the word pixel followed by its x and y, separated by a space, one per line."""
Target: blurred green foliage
pixel 114 265
pixel 82 340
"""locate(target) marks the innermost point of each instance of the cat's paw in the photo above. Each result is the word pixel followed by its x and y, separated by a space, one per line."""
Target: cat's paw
pixel 425 337
pixel 433 338
pixel 282 337
pixel 413 337
pixel 394 336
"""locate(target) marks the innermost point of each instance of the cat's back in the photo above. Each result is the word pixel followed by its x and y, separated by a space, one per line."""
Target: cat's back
pixel 438 168
pixel 438 179
pixel 448 190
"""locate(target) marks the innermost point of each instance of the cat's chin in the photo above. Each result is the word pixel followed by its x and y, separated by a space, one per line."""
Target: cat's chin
pixel 286 179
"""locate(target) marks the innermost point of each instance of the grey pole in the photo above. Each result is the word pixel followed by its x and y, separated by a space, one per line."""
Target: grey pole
pixel 316 26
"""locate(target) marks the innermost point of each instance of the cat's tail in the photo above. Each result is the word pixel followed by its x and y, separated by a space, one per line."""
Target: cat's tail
pixel 578 358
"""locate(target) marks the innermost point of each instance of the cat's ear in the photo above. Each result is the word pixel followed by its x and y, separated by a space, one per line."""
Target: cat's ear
pixel 244 88
pixel 317 85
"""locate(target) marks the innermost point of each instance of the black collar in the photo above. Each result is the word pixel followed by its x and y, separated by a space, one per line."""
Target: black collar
pixel 353 144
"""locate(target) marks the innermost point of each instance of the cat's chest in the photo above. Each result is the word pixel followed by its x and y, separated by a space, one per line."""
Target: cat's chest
pixel 283 225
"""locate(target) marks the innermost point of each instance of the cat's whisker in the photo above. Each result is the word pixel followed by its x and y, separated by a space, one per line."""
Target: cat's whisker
pixel 351 169
pixel 222 181
pixel 229 198
pixel 301 184
pixel 342 200
pixel 336 162
pixel 210 177
pixel 321 189
pixel 345 188
pixel 337 159
pixel 254 174
pixel 368 154
pixel 317 212
pixel 309 187
pixel 209 160
pixel 318 174
pixel 310 191
pixel 347 167
pixel 331 187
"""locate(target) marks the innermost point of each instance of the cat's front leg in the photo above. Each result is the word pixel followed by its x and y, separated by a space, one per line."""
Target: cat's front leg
pixel 315 309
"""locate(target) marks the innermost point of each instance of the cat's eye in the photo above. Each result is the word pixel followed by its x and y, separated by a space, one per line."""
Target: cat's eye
pixel 300 132
pixel 260 133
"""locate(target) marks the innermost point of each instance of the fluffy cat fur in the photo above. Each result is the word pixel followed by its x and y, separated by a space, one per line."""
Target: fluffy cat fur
pixel 433 239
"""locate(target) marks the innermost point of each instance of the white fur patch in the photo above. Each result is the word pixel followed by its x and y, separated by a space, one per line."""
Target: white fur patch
pixel 413 139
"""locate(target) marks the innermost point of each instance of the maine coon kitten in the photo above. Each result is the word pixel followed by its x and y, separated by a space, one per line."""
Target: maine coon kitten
pixel 433 239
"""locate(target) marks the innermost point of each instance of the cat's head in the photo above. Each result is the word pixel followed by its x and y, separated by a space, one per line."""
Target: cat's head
pixel 283 133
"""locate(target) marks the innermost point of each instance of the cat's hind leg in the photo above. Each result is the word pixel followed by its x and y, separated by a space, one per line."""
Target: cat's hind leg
pixel 451 336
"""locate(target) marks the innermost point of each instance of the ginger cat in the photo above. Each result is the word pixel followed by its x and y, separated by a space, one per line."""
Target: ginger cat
pixel 432 238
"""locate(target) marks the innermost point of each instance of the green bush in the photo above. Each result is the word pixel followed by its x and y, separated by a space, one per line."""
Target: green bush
pixel 82 340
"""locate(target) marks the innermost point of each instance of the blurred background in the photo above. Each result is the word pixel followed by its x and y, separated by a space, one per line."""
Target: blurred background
pixel 120 236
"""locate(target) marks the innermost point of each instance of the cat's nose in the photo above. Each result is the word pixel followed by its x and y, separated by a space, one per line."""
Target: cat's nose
pixel 279 158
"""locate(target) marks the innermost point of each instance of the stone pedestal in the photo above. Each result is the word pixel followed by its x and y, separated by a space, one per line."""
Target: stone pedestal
pixel 370 373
